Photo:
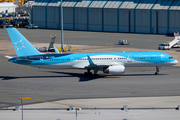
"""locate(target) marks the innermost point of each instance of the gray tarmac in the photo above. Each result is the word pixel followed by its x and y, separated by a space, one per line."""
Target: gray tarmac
pixel 46 84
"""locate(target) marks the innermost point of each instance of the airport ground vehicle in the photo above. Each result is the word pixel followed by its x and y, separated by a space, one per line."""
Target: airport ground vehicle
pixel 123 42
pixel 41 49
pixel 169 45
pixel 31 26
pixel 8 25
pixel 164 46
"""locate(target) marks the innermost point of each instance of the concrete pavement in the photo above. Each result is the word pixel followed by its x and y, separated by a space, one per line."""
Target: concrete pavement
pixel 154 108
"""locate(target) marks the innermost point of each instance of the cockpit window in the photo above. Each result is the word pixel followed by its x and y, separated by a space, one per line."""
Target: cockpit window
pixel 170 57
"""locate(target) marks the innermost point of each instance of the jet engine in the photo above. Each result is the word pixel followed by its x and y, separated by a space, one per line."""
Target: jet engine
pixel 118 69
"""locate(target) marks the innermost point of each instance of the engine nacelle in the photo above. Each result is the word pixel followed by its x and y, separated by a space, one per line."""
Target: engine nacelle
pixel 119 69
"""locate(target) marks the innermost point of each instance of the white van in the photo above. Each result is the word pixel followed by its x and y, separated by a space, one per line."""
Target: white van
pixel 164 46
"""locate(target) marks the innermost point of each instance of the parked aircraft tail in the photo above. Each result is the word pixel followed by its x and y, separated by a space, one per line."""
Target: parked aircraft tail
pixel 21 45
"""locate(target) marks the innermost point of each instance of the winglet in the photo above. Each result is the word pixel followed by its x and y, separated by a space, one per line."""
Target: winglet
pixel 90 61
pixel 56 50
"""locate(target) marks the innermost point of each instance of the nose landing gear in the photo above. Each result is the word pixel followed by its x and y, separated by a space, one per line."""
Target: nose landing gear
pixel 157 70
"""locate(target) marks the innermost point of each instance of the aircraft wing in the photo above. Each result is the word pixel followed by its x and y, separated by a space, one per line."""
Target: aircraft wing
pixel 87 66
pixel 97 66
pixel 91 65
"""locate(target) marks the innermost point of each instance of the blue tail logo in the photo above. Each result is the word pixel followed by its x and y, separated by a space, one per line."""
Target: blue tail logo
pixel 21 45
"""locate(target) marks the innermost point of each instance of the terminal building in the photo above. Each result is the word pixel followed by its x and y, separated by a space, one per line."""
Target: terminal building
pixel 131 16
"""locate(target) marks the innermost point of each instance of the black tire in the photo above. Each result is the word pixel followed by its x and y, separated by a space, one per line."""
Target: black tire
pixel 85 73
pixel 156 73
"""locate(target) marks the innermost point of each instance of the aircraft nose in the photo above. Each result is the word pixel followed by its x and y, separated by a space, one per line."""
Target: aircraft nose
pixel 175 62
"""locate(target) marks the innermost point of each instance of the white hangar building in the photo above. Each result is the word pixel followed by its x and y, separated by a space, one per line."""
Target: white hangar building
pixel 131 16
pixel 7 7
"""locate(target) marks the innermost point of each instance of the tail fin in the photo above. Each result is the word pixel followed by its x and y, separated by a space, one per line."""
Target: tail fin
pixel 21 45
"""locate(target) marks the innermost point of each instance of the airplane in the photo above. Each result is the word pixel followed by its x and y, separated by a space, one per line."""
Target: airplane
pixel 112 62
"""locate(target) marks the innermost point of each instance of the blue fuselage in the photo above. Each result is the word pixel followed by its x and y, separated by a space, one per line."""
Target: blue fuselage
pixel 80 60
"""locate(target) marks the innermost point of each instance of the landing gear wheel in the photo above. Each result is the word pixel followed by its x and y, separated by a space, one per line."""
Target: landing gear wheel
pixel 157 70
pixel 85 73
pixel 90 73
pixel 156 73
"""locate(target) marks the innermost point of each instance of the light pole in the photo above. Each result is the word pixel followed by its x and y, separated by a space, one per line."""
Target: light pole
pixel 72 108
pixel 76 113
pixel 21 105
pixel 21 98
pixel 30 12
pixel 62 39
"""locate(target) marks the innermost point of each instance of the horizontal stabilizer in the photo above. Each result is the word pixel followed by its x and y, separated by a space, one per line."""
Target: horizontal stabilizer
pixel 24 60
pixel 9 57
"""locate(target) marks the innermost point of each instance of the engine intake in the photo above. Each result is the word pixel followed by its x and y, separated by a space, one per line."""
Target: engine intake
pixel 118 69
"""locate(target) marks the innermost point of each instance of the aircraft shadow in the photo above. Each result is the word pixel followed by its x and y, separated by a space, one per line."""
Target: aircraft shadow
pixel 142 74
pixel 81 77
pixel 14 77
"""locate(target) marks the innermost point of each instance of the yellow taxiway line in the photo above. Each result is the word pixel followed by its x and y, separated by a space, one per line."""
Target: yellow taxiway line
pixel 51 102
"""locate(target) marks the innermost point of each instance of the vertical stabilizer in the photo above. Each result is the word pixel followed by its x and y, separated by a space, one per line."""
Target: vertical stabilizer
pixel 21 45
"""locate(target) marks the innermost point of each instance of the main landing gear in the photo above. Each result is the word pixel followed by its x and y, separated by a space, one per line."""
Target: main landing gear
pixel 157 70
pixel 88 73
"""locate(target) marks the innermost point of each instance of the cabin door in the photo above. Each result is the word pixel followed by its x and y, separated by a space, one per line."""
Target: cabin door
pixel 41 60
pixel 162 58
pixel 72 60
pixel 129 59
